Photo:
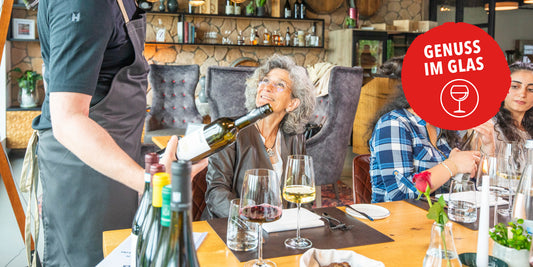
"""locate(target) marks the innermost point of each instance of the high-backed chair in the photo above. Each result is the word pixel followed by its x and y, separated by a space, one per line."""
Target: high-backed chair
pixel 173 105
pixel 336 111
pixel 225 88
pixel 362 185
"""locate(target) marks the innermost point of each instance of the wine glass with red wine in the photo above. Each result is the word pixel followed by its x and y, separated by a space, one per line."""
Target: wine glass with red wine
pixel 260 203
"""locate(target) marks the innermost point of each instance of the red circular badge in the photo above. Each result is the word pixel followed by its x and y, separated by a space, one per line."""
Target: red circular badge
pixel 455 76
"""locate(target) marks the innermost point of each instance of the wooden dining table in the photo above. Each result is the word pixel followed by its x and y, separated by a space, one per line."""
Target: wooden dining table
pixel 407 225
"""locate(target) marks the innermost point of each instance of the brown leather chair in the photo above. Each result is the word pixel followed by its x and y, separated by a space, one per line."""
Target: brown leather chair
pixel 362 186
pixel 199 186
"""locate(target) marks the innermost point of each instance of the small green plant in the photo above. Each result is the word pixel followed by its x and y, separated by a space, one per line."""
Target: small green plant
pixel 518 238
pixel 27 80
pixel 350 23
pixel 260 2
pixel 250 8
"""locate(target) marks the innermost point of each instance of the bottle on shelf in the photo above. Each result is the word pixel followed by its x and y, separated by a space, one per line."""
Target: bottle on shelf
pixel 313 38
pixel 240 38
pixel 217 135
pixel 144 205
pixel 266 38
pixel 296 10
pixel 256 37
pixel 302 9
pixel 353 13
pixel 229 8
pixel 162 249
pixel 144 227
pixel 295 39
pixel 181 245
pixel 287 10
pixel 275 38
pixel 236 9
pixel 160 32
pixel 152 239
pixel 523 202
pixel 253 40
pixel 287 37
pixel 161 6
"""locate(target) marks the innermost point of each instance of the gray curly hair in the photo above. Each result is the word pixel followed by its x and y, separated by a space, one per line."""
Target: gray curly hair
pixel 302 88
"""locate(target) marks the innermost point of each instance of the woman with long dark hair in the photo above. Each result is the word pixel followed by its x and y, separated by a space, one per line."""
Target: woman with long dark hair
pixel 403 144
pixel 514 120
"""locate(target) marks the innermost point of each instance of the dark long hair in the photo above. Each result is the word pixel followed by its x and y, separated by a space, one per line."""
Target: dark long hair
pixel 393 69
pixel 504 119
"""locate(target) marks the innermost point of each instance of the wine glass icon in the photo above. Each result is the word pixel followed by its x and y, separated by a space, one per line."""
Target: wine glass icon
pixel 459 93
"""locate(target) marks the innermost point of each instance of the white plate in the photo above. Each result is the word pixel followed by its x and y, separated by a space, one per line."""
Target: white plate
pixel 374 211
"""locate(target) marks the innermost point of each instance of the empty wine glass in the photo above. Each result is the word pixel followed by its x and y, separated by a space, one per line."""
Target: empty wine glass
pixel 511 159
pixel 299 187
pixel 260 203
pixel 488 167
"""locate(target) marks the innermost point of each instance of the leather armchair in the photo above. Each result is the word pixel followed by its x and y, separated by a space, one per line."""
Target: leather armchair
pixel 362 185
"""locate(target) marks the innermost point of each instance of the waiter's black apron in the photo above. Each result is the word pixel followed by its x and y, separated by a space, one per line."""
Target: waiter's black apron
pixel 79 203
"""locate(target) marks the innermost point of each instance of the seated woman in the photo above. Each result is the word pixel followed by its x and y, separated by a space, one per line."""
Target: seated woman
pixel 514 121
pixel 403 144
pixel 288 89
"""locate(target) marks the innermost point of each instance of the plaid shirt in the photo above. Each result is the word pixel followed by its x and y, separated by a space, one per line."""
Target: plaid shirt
pixel 400 147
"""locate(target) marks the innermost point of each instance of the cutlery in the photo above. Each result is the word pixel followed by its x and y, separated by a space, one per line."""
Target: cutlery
pixel 334 223
pixel 360 212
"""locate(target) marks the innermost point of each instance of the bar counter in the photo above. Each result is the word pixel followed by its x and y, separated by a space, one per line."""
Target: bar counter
pixel 407 225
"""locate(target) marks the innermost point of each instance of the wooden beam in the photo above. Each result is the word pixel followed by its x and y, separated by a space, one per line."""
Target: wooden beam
pixel 5 18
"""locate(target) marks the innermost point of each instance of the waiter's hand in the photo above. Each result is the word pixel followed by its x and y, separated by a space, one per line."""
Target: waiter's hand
pixel 170 155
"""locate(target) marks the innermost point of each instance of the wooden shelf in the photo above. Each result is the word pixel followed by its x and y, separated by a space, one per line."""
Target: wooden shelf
pixel 184 14
pixel 225 45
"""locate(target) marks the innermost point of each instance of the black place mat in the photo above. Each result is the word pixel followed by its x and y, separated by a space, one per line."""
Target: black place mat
pixel 322 237
pixel 423 204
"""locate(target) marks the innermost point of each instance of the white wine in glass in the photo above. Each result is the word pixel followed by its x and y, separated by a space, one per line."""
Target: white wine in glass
pixel 299 187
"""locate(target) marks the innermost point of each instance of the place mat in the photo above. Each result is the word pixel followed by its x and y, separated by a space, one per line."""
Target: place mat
pixel 322 237
pixel 423 204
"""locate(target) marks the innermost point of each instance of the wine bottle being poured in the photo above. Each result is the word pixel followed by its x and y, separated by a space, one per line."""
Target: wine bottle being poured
pixel 217 135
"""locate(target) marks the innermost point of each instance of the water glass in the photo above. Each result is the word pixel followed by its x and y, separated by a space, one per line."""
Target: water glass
pixel 241 234
pixel 462 205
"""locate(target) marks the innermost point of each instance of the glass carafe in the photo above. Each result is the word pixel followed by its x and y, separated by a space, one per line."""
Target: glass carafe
pixel 441 251
pixel 523 203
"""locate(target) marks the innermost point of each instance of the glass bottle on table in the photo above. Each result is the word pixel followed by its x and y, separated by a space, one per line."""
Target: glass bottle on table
pixel 162 251
pixel 217 135
pixel 145 225
pixel 149 246
pixel 144 205
pixel 299 187
pixel 523 203
pixel 181 245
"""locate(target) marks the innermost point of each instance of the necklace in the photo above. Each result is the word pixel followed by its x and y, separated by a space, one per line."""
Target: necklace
pixel 270 150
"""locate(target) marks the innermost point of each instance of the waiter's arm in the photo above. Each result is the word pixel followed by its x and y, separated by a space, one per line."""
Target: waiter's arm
pixel 90 142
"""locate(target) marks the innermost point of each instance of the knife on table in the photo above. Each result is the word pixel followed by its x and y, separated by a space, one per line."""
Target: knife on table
pixel 360 212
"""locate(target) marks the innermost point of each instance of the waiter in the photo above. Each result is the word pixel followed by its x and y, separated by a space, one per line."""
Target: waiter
pixel 90 127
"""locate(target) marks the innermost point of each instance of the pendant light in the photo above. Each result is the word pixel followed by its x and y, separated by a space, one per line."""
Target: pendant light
pixel 504 5
pixel 528 1
pixel 196 2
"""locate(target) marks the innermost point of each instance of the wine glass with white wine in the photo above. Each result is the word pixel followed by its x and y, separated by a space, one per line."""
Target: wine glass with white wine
pixel 299 187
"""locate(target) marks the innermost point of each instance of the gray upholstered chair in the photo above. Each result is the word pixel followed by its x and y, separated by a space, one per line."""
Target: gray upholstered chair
pixel 336 111
pixel 225 88
pixel 173 105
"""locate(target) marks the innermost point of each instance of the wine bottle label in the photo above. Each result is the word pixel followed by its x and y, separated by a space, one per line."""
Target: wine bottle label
pixel 160 35
pixel 192 145
pixel 133 246
pixel 147 177
pixel 287 13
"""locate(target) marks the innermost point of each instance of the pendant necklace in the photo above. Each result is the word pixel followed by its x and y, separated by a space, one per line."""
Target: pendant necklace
pixel 270 150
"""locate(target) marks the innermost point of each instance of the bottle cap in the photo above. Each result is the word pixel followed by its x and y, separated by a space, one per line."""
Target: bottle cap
pixel 181 185
pixel 150 159
pixel 529 143
pixel 159 180
pixel 165 210
pixel 157 167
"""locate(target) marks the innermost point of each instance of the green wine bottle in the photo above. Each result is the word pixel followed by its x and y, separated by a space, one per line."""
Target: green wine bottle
pixel 143 228
pixel 144 205
pixel 162 251
pixel 217 135
pixel 183 251
pixel 152 239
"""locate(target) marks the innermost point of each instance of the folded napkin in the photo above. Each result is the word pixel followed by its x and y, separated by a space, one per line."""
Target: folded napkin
pixel 323 257
pixel 469 197
pixel 288 221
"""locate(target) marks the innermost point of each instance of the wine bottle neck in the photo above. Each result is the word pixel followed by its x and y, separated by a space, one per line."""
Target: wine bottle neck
pixel 253 116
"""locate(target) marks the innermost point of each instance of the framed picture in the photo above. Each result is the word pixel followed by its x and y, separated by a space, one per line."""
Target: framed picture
pixel 525 47
pixel 23 29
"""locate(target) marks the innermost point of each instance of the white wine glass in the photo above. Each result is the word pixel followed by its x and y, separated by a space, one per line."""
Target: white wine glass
pixel 511 159
pixel 299 187
pixel 260 203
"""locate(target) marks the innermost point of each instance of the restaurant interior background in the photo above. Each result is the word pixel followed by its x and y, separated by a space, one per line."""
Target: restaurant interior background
pixel 509 26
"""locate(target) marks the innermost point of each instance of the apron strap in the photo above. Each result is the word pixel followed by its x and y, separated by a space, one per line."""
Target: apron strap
pixel 28 184
pixel 123 10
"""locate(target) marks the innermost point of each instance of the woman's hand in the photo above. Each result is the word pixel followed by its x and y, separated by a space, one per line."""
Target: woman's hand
pixel 170 155
pixel 465 161
pixel 486 135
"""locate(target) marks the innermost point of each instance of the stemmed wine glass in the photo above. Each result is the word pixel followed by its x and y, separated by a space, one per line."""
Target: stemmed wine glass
pixel 299 187
pixel 488 166
pixel 510 164
pixel 260 203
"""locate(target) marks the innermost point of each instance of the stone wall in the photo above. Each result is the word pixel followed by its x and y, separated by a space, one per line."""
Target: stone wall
pixel 26 54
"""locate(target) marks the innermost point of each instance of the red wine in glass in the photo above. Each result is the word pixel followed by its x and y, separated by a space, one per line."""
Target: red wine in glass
pixel 459 93
pixel 261 213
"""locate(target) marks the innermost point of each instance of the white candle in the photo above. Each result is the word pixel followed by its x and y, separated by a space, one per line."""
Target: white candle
pixel 482 257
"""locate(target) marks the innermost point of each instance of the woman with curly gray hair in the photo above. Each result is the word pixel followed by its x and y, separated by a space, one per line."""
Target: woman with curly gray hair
pixel 288 89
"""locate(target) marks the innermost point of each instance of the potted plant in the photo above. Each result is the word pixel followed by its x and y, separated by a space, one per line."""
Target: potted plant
pixel 27 82
pixel 250 9
pixel 260 7
pixel 511 244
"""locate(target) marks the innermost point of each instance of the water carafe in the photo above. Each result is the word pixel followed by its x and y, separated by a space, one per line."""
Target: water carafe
pixel 523 203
